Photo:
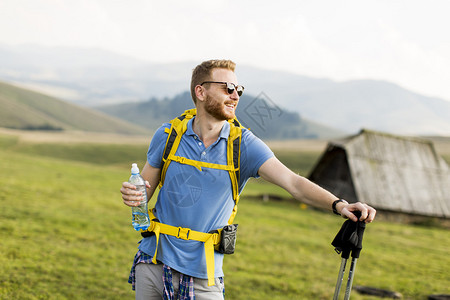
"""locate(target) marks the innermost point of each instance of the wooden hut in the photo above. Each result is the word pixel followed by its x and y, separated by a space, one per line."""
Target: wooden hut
pixel 388 172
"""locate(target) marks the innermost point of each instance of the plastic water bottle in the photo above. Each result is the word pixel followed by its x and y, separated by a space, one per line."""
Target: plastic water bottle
pixel 140 218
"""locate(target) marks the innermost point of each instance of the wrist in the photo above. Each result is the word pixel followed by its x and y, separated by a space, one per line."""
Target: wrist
pixel 338 205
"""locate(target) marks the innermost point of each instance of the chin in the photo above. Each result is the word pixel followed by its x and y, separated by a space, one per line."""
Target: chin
pixel 229 115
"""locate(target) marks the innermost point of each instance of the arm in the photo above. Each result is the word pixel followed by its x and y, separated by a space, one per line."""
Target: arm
pixel 310 193
pixel 151 176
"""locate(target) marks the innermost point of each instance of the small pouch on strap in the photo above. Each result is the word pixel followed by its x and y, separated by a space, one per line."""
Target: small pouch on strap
pixel 227 239
pixel 147 233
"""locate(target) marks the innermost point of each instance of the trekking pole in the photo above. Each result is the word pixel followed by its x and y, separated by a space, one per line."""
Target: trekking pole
pixel 351 274
pixel 340 278
pixel 348 240
pixel 360 227
pixel 345 254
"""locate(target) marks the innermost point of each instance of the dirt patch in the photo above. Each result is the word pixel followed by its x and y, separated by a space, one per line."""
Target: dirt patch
pixel 36 136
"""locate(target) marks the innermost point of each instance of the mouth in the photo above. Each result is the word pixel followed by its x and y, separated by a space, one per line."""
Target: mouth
pixel 231 105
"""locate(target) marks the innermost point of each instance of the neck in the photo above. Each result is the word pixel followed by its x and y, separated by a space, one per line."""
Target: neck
pixel 207 128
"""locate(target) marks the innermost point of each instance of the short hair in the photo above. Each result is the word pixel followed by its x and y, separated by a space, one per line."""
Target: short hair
pixel 202 72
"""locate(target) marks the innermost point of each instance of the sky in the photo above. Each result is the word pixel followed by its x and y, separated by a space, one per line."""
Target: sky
pixel 405 42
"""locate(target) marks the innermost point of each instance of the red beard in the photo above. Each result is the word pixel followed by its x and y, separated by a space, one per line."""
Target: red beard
pixel 217 109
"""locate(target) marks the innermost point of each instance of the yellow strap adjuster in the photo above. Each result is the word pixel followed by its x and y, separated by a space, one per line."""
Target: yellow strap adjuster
pixel 183 233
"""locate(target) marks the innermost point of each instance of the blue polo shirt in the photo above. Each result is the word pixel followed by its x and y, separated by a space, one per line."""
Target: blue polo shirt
pixel 199 200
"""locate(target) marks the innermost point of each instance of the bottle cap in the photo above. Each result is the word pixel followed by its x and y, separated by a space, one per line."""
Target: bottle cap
pixel 134 169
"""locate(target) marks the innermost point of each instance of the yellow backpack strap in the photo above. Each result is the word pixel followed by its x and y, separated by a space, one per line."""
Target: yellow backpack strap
pixel 233 161
pixel 175 132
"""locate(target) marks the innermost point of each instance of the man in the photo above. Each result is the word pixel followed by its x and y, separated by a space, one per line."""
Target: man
pixel 196 199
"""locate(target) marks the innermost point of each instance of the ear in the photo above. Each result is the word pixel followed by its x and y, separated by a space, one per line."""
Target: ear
pixel 200 93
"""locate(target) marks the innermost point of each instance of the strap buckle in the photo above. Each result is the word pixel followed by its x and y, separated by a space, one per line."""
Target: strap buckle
pixel 183 233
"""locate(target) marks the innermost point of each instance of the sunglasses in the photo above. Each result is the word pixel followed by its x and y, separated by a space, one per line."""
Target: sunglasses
pixel 230 87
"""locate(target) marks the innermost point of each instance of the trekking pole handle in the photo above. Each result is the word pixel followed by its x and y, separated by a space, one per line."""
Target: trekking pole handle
pixel 360 227
pixel 349 238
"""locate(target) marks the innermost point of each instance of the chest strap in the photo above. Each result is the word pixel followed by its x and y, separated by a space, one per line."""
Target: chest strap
pixel 199 164
pixel 210 240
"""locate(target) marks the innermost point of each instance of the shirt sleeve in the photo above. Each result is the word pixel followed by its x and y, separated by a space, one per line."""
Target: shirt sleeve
pixel 254 152
pixel 156 148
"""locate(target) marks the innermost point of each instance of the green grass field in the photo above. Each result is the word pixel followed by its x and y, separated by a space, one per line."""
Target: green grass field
pixel 67 235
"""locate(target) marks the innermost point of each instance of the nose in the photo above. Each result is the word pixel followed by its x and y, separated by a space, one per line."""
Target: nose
pixel 235 95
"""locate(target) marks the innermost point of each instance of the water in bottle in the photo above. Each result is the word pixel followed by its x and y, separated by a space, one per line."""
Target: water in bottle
pixel 140 218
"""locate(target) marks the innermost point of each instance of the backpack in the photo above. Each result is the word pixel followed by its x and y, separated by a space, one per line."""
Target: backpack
pixel 223 239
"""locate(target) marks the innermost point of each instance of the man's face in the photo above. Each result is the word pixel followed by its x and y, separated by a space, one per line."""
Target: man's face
pixel 218 102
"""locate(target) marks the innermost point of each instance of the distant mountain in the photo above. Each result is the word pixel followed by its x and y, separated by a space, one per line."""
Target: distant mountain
pixel 352 105
pixel 263 117
pixel 24 109
pixel 91 77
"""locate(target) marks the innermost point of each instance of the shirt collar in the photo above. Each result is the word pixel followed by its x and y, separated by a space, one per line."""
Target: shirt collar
pixel 224 132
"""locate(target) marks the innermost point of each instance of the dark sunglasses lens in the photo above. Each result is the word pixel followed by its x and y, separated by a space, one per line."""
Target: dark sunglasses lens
pixel 230 88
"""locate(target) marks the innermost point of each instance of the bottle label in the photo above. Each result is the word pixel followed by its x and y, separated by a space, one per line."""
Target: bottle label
pixel 140 218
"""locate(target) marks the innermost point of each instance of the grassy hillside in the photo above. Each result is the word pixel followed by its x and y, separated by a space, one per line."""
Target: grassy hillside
pixel 25 109
pixel 67 235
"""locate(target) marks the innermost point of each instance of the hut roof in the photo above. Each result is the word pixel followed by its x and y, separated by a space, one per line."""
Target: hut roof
pixel 389 172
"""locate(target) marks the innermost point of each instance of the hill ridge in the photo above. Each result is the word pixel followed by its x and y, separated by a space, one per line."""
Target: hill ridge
pixel 26 109
pixel 260 114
